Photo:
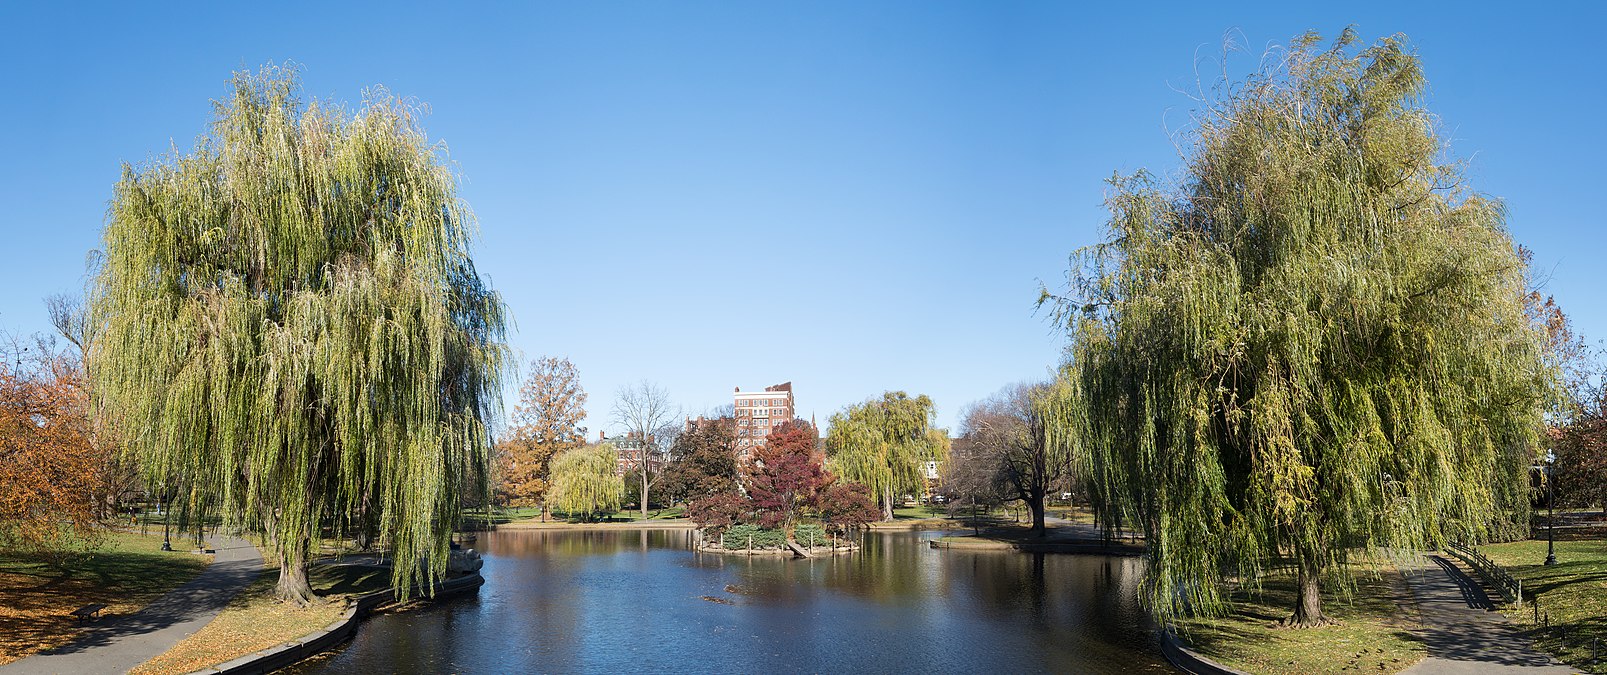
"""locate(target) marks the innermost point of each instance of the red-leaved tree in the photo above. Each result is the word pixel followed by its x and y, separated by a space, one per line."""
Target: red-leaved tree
pixel 844 505
pixel 786 474
pixel 719 511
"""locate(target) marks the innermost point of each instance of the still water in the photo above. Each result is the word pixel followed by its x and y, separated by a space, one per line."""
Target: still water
pixel 620 601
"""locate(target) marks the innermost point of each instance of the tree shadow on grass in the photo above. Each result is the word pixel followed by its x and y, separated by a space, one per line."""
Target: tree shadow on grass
pixel 197 599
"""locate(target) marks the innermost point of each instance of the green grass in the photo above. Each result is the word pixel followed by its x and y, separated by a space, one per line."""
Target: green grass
pixel 254 620
pixel 1373 634
pixel 479 518
pixel 632 515
pixel 1572 592
pixel 126 572
pixel 920 512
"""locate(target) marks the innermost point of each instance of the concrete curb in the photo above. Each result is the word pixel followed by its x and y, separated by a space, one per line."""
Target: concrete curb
pixel 1190 661
pixel 288 653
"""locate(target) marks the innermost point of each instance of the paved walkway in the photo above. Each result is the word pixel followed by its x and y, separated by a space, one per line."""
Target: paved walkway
pixel 1462 630
pixel 117 644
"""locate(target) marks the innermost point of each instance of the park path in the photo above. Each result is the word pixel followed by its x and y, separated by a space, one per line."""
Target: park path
pixel 117 644
pixel 1463 631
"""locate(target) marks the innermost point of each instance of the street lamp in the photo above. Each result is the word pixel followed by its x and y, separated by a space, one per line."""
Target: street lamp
pixel 1551 512
pixel 167 541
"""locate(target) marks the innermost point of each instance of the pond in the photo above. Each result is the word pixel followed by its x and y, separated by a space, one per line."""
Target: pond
pixel 643 601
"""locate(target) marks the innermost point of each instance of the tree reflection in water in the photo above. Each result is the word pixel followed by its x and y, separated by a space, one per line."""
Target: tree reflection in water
pixel 642 600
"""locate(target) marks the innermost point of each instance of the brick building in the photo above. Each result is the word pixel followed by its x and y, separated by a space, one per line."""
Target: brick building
pixel 758 412
pixel 629 449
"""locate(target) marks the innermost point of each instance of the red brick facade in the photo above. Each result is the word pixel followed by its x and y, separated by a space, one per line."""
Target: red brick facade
pixel 758 412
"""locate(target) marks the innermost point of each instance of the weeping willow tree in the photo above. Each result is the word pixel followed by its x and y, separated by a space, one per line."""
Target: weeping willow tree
pixel 885 444
pixel 294 333
pixel 1311 345
pixel 586 481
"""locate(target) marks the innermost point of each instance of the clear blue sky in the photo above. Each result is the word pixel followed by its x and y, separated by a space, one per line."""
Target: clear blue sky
pixel 855 197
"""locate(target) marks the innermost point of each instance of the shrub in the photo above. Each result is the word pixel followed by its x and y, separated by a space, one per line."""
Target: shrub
pixel 810 533
pixel 737 538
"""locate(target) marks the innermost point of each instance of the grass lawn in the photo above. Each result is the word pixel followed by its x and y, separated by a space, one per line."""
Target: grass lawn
pixel 125 573
pixel 652 514
pixel 254 620
pixel 1373 634
pixel 920 512
pixel 1573 592
pixel 501 516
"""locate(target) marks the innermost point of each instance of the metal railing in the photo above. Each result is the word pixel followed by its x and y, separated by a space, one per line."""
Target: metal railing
pixel 1511 589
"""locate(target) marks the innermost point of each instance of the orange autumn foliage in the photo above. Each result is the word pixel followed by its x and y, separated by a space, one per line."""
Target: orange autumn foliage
pixel 50 469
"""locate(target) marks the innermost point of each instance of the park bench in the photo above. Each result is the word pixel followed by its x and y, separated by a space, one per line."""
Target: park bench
pixel 87 612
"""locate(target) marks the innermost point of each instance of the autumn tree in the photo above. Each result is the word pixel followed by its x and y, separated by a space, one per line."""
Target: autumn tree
pixel 786 474
pixel 290 328
pixel 718 511
pixel 703 461
pixel 119 474
pixel 1312 344
pixel 1009 441
pixel 971 476
pixel 50 470
pixel 586 482
pixel 845 505
pixel 1579 434
pixel 644 411
pixel 545 422
pixel 885 443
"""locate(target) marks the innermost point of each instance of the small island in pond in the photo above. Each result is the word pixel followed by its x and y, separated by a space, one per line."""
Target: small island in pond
pixel 782 500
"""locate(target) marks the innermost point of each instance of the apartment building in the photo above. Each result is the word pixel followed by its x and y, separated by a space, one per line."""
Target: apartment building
pixel 759 412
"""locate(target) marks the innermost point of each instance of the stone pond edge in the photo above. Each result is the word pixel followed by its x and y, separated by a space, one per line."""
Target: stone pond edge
pixel 1188 660
pixel 294 651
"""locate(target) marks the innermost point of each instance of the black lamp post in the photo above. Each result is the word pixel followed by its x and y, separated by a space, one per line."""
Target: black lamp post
pixel 167 541
pixel 1551 514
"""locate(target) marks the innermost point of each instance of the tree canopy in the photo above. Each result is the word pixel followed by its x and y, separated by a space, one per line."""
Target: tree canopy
pixel 292 331
pixel 1313 342
pixel 545 422
pixel 786 474
pixel 703 460
pixel 51 470
pixel 1008 439
pixel 586 482
pixel 884 444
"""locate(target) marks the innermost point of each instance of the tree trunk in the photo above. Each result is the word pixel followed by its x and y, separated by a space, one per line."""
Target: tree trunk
pixel 1308 600
pixel 644 488
pixel 1036 504
pixel 293 586
pixel 887 504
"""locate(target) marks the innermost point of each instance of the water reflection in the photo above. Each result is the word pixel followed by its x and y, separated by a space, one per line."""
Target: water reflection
pixel 640 600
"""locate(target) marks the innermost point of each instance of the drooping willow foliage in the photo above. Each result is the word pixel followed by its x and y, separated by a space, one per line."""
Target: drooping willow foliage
pixel 885 443
pixel 1313 344
pixel 294 334
pixel 586 481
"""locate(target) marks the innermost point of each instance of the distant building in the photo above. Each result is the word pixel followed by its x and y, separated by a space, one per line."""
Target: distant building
pixel 629 449
pixel 760 412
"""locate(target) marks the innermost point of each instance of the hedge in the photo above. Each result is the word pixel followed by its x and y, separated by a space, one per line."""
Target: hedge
pixel 737 537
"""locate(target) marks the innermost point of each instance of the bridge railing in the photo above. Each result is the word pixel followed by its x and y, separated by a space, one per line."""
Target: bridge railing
pixel 1592 645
